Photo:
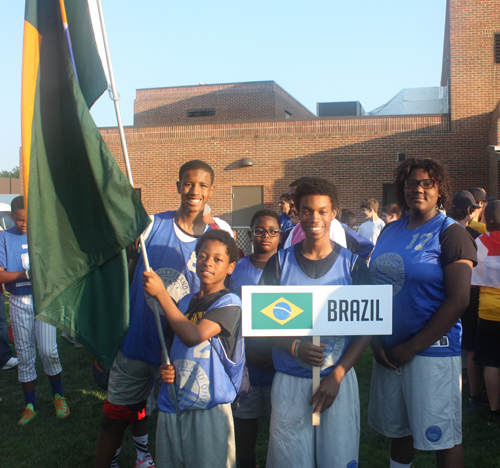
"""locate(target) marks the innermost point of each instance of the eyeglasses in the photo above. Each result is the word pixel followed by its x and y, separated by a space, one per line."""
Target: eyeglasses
pixel 261 232
pixel 426 184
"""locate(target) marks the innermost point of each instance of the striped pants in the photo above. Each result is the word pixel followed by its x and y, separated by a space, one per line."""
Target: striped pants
pixel 27 332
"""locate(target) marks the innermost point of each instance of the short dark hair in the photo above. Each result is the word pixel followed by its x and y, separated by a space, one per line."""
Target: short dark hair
pixel 286 196
pixel 392 209
pixel 194 165
pixel 316 186
pixel 460 213
pixel 348 217
pixel 436 170
pixel 223 237
pixel 17 204
pixel 262 213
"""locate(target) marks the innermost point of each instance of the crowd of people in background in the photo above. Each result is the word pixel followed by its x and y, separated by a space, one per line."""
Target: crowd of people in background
pixel 440 253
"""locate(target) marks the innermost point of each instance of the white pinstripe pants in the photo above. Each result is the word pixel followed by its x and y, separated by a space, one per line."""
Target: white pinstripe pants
pixel 27 332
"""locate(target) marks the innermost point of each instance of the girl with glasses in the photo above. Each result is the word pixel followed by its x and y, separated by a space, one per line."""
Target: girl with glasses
pixel 415 397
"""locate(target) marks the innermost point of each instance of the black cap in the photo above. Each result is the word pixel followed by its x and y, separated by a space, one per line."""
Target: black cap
pixel 478 193
pixel 492 212
pixel 463 199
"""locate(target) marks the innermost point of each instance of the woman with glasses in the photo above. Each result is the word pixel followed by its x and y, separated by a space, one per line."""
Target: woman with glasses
pixel 415 396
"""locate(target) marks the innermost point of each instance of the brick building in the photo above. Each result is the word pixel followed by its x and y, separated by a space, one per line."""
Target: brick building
pixel 223 124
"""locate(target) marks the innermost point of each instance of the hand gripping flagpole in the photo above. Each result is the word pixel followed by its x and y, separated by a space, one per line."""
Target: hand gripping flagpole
pixel 115 98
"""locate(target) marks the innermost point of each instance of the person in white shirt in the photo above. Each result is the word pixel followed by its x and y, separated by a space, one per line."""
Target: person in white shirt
pixel 373 225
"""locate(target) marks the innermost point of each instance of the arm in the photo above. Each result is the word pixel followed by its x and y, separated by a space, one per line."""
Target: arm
pixel 9 276
pixel 330 385
pixel 457 277
pixel 189 333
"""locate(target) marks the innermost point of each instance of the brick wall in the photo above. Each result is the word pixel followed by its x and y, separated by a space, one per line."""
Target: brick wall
pixel 358 154
pixel 233 101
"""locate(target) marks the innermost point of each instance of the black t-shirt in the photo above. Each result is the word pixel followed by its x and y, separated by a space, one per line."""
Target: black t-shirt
pixel 457 244
pixel 227 317
pixel 315 269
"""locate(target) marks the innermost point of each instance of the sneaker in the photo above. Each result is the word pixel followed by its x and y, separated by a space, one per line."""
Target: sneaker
pixel 492 418
pixel 475 404
pixel 146 463
pixel 12 362
pixel 68 338
pixel 62 410
pixel 28 414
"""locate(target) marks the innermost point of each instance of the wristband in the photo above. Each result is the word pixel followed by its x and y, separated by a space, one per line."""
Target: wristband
pixel 27 273
pixel 296 350
pixel 293 347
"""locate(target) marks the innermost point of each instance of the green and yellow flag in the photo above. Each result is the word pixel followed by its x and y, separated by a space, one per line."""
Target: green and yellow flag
pixel 289 311
pixel 81 210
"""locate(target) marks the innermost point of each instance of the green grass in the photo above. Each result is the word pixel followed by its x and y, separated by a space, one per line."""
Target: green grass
pixel 49 443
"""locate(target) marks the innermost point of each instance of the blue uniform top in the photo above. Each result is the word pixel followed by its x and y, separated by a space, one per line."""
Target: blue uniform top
pixel 14 256
pixel 174 260
pixel 291 274
pixel 410 260
pixel 245 274
pixel 205 374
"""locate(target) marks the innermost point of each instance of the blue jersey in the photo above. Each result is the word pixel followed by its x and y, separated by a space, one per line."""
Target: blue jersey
pixel 409 260
pixel 14 256
pixel 204 375
pixel 292 274
pixel 245 274
pixel 175 262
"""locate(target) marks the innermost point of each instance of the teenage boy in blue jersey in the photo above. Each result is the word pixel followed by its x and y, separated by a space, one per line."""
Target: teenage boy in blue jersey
pixel 316 260
pixel 208 357
pixel 27 331
pixel 170 241
pixel 264 234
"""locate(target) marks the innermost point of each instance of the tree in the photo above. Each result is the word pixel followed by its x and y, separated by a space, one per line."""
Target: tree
pixel 13 174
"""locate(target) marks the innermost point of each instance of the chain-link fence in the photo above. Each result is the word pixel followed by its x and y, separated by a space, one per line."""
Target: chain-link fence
pixel 242 240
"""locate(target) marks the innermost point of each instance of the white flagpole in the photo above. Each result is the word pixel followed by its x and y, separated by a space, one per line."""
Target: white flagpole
pixel 115 98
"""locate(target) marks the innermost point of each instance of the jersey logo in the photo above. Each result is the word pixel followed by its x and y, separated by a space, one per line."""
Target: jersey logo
pixel 389 268
pixel 333 351
pixel 25 260
pixel 433 433
pixel 192 385
pixel 175 283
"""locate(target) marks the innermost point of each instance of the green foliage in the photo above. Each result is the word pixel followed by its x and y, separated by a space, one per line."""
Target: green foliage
pixel 48 442
pixel 13 174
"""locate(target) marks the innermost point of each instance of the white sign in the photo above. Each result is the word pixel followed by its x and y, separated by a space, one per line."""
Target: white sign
pixel 316 310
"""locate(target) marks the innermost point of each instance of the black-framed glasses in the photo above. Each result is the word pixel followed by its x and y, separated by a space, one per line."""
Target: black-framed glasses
pixel 261 232
pixel 424 183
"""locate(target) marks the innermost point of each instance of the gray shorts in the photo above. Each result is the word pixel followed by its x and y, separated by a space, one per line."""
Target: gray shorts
pixel 197 438
pixel 253 405
pixel 424 401
pixel 131 381
pixel 294 441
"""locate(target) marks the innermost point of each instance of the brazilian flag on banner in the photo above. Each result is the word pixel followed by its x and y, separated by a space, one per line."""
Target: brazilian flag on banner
pixel 81 210
pixel 290 311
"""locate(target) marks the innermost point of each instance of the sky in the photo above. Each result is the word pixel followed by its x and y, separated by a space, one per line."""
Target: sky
pixel 318 51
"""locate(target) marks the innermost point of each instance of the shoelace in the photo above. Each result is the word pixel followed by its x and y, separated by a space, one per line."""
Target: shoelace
pixel 27 414
pixel 61 404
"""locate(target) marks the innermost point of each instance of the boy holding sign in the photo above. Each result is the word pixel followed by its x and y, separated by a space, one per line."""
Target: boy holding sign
pixel 315 261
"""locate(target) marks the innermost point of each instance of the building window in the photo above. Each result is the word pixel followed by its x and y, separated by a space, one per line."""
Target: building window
pixel 201 113
pixel 496 48
pixel 288 115
pixel 401 157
